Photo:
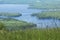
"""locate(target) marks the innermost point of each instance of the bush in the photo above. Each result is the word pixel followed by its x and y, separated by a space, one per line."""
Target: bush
pixel 47 15
pixel 1 25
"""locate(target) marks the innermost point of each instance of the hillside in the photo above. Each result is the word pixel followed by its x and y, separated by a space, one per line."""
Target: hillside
pixel 46 4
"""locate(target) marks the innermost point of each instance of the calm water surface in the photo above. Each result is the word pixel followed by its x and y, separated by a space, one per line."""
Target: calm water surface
pixel 26 15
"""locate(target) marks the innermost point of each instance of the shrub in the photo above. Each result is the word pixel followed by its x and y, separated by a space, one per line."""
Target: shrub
pixel 1 25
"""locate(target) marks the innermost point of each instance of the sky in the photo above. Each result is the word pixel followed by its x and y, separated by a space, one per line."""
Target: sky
pixel 27 1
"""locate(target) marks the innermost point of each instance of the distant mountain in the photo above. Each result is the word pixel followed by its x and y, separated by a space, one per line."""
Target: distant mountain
pixel 28 1
pixel 51 1
pixel 46 4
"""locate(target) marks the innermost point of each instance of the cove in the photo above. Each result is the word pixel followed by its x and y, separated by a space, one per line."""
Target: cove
pixel 26 15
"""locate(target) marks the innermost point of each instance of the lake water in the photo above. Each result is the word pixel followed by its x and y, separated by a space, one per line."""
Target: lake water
pixel 26 15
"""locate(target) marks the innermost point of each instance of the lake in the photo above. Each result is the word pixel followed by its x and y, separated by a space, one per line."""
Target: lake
pixel 26 15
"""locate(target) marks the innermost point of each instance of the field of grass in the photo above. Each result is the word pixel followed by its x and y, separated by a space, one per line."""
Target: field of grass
pixel 8 14
pixel 48 15
pixel 31 34
pixel 11 24
pixel 12 29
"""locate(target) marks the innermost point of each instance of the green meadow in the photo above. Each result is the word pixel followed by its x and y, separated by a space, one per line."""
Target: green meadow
pixel 47 15
pixel 12 24
pixel 10 14
pixel 31 34
pixel 13 29
pixel 22 30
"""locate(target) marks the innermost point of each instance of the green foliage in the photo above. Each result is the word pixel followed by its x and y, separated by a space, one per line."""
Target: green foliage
pixel 16 24
pixel 48 15
pixel 31 34
pixel 10 14
pixel 1 25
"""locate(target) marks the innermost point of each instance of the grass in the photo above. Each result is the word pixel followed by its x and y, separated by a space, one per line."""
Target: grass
pixel 31 34
pixel 10 14
pixel 26 33
pixel 48 15
pixel 16 24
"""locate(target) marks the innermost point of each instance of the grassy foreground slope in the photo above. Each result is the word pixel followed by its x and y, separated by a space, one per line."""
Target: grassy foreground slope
pixel 12 24
pixel 48 15
pixel 31 34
